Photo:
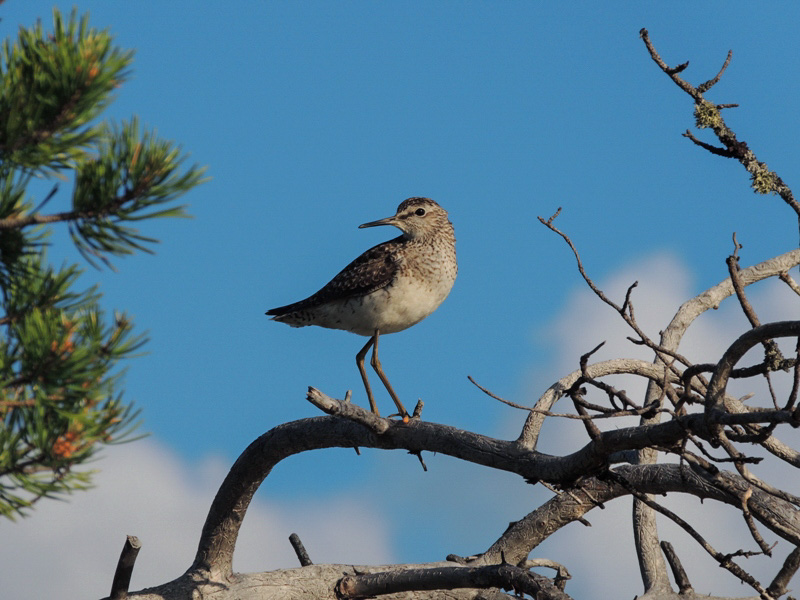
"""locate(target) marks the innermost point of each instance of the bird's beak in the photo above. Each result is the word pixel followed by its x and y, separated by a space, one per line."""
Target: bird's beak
pixel 386 221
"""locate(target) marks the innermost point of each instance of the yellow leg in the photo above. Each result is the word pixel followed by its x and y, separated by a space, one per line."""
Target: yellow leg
pixel 376 364
pixel 360 363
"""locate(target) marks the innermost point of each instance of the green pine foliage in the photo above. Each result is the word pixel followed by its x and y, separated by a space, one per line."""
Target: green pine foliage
pixel 60 353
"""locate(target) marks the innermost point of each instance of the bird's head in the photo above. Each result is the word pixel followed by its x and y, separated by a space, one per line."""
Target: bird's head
pixel 416 218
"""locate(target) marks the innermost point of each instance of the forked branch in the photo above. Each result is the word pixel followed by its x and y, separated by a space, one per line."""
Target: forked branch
pixel 764 180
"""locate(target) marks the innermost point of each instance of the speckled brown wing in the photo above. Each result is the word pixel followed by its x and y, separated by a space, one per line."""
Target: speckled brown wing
pixel 371 271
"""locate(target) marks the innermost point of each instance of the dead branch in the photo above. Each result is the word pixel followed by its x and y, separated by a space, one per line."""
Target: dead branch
pixel 681 578
pixel 525 535
pixel 300 550
pixel 778 587
pixel 529 435
pixel 719 379
pixel 503 576
pixel 708 115
pixel 122 575
pixel 625 310
pixel 724 560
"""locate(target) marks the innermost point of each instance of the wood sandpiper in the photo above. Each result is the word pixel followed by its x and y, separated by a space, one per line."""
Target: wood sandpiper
pixel 389 288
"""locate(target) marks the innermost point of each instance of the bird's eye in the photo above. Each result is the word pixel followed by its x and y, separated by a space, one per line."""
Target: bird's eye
pixel 420 212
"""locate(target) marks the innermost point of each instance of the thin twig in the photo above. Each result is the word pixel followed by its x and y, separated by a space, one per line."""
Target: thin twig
pixel 704 87
pixel 751 525
pixel 625 311
pixel 788 280
pixel 421 460
pixel 604 415
pixel 723 152
pixel 592 429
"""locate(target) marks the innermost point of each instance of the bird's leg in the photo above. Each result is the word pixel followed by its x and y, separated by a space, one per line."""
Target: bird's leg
pixel 360 362
pixel 376 364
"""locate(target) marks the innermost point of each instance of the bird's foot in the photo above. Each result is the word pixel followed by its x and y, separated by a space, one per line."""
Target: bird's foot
pixel 403 417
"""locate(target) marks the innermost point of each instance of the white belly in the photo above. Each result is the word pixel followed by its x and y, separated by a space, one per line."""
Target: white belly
pixel 390 309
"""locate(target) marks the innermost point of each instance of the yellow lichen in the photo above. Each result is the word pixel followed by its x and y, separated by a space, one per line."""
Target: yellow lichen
pixel 763 180
pixel 706 115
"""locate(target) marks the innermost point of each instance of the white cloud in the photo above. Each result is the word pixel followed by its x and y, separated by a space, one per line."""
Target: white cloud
pixel 585 321
pixel 143 489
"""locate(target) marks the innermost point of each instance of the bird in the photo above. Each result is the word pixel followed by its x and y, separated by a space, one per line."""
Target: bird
pixel 389 288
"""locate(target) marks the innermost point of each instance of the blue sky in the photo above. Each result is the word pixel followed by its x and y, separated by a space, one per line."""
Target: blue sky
pixel 314 117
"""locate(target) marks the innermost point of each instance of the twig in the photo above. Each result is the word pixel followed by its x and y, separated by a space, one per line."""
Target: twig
pixel 46 199
pixel 418 409
pixel 736 280
pixel 671 71
pixel 681 578
pixel 725 153
pixel 740 373
pixel 594 432
pixel 626 310
pixel 740 461
pixel 562 574
pixel 627 302
pixel 418 454
pixel 70 216
pixel 772 352
pixel 606 414
pixel 300 550
pixel 610 391
pixel 704 87
pixel 122 575
pixel 788 280
pixel 751 525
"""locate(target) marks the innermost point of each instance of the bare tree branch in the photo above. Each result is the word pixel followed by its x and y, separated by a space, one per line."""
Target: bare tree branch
pixel 708 115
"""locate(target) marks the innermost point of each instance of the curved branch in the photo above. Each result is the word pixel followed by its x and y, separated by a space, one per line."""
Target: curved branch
pixel 215 550
pixel 522 537
pixel 218 538
pixel 712 297
pixel 529 436
pixel 719 379
pixel 670 339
